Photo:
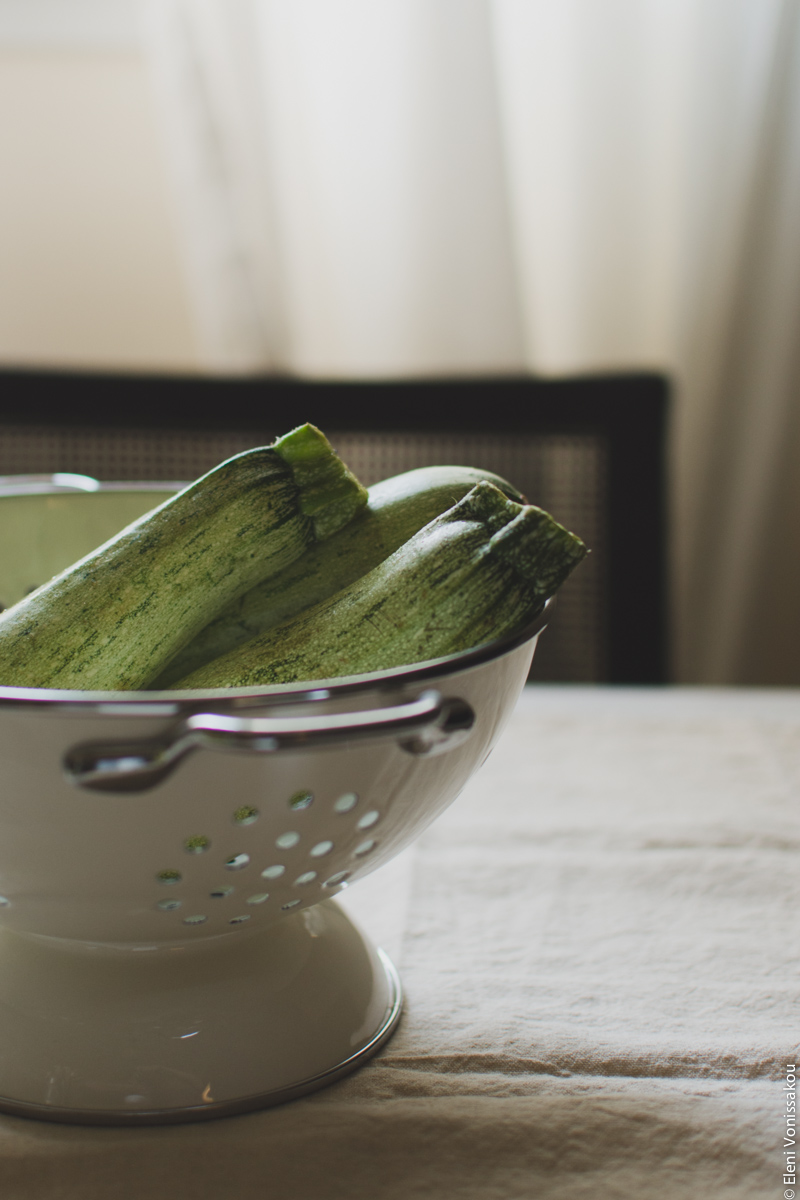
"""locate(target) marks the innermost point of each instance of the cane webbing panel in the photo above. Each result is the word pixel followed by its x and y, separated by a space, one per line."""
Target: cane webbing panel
pixel 118 453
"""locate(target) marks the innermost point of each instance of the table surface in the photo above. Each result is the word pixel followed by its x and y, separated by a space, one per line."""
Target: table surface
pixel 598 948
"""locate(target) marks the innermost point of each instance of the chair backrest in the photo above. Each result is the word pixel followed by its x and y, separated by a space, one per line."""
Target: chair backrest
pixel 590 450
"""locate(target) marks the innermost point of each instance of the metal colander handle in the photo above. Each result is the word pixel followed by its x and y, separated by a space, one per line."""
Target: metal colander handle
pixel 429 724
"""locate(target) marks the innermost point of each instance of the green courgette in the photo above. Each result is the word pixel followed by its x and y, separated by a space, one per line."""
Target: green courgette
pixel 114 619
pixel 481 569
pixel 397 508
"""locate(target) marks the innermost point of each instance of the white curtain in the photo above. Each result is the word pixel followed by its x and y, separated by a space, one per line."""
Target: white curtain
pixel 394 188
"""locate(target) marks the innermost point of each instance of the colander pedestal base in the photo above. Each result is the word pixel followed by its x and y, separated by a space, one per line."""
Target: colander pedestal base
pixel 146 1035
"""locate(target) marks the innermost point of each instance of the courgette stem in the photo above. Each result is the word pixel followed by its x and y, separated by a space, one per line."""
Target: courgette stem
pixel 478 571
pixel 114 619
pixel 326 488
pixel 397 508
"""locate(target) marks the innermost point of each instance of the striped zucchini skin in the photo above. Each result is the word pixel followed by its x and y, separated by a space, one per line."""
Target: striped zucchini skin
pixel 482 569
pixel 397 509
pixel 114 619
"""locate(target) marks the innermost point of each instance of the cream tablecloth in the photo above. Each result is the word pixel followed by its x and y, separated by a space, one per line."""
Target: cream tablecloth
pixel 598 945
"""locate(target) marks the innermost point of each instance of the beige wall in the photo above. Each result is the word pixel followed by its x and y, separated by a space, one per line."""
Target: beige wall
pixel 90 274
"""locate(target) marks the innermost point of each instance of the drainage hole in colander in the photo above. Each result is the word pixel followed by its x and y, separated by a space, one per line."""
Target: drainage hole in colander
pixel 287 840
pixel 245 815
pixel 306 877
pixel 259 898
pixel 274 872
pixel 197 919
pixel 169 876
pixel 169 905
pixel 237 861
pixel 336 879
pixel 291 904
pixel 198 844
pixel 345 803
pixel 220 893
pixel 368 820
pixel 301 800
pixel 4 901
pixel 364 847
pixel 320 849
pixel 240 920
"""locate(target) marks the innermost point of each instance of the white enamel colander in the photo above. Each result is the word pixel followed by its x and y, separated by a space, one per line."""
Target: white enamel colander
pixel 169 945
